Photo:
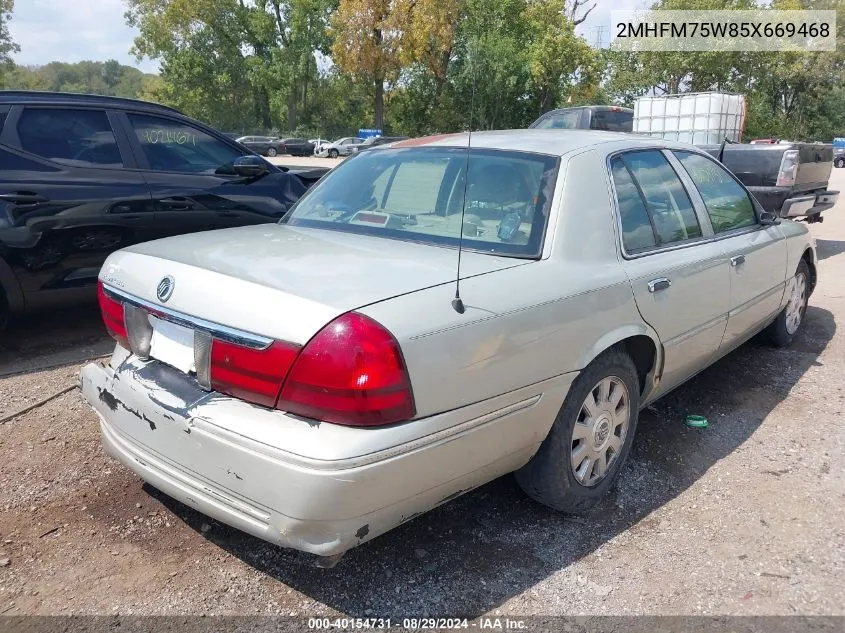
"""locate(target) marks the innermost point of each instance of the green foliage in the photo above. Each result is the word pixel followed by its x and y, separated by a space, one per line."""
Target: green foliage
pixel 7 45
pixel 428 66
pixel 794 95
pixel 102 78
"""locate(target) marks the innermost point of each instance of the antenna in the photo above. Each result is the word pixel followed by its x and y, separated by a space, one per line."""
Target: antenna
pixel 457 302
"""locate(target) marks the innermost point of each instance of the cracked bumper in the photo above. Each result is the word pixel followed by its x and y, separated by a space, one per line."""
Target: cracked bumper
pixel 249 467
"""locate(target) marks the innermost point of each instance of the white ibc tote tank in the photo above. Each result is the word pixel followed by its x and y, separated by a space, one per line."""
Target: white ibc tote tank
pixel 700 118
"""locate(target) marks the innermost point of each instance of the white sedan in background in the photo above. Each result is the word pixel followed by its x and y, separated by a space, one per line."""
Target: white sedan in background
pixel 340 147
pixel 317 382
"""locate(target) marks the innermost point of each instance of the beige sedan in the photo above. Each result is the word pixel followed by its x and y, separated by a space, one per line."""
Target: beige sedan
pixel 320 381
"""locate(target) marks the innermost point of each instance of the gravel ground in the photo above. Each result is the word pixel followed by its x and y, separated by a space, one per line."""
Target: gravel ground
pixel 745 517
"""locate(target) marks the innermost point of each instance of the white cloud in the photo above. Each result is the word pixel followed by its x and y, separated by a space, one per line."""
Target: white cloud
pixel 73 30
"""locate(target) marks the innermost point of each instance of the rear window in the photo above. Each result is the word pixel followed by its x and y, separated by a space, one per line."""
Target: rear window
pixel 564 120
pixel 417 194
pixel 612 120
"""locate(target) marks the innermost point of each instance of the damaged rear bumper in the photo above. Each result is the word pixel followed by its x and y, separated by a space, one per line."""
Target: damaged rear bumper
pixel 297 483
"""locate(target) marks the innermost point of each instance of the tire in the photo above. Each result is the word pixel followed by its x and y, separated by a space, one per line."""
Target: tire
pixel 785 327
pixel 5 312
pixel 333 153
pixel 550 477
pixel 271 152
pixel 839 162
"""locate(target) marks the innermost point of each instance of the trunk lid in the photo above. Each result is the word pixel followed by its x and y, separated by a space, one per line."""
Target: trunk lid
pixel 284 282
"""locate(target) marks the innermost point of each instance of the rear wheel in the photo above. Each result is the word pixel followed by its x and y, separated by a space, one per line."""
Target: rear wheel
pixel 591 437
pixel 839 162
pixel 784 328
pixel 5 312
pixel 271 152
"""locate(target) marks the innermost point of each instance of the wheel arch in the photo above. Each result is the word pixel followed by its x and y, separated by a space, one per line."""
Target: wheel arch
pixel 641 343
pixel 807 257
pixel 11 295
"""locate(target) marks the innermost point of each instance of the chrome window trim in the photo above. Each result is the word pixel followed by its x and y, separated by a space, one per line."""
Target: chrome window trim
pixel 218 331
pixel 706 227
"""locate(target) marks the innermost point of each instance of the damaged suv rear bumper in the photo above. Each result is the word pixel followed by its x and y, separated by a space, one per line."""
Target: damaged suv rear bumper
pixel 248 466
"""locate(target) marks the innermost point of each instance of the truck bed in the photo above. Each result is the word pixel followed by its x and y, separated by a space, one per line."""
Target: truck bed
pixel 757 167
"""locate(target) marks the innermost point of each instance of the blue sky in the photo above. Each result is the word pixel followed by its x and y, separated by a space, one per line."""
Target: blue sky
pixel 73 30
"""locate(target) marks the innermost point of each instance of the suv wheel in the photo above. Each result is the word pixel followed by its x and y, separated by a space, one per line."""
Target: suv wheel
pixel 4 310
pixel 590 439
pixel 271 152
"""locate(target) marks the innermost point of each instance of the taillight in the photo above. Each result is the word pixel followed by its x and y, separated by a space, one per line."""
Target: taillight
pixel 788 168
pixel 255 375
pixel 352 372
pixel 112 311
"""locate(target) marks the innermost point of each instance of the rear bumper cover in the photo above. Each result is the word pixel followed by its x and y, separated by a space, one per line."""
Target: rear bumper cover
pixel 787 204
pixel 180 440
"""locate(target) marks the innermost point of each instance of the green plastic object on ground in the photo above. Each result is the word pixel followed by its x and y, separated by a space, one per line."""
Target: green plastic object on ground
pixel 697 421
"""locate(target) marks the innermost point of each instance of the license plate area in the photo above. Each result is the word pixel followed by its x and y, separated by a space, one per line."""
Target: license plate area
pixel 172 344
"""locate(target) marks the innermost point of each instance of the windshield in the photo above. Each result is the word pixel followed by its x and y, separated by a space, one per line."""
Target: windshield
pixel 418 193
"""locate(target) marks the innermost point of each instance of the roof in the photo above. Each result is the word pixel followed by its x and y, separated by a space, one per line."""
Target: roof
pixel 36 97
pixel 552 142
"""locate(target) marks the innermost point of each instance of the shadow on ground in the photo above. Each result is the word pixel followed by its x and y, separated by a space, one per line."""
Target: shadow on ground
pixel 65 336
pixel 829 248
pixel 500 543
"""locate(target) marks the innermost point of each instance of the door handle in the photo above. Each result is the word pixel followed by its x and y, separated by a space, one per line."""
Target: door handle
pixel 736 260
pixel 176 203
pixel 23 198
pixel 656 285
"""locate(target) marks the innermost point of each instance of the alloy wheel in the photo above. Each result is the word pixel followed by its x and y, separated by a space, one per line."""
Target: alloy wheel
pixel 599 431
pixel 797 303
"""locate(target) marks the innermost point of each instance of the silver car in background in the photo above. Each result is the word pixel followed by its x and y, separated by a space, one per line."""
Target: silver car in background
pixel 340 147
pixel 316 383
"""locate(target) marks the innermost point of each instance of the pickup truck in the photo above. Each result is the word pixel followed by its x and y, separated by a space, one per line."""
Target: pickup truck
pixel 788 179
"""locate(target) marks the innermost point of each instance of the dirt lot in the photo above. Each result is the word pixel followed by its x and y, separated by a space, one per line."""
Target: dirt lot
pixel 305 161
pixel 746 517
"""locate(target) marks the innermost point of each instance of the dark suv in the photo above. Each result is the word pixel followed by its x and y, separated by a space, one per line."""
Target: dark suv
pixel 81 176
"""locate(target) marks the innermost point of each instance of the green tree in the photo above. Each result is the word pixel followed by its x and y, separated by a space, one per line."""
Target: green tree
pixel 376 39
pixel 7 46
pixel 230 62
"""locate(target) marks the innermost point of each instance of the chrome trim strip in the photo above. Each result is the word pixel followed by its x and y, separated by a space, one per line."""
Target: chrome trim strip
pixel 218 331
pixel 756 299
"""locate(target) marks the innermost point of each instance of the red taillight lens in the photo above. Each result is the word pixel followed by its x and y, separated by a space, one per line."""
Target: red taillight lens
pixel 352 372
pixel 113 319
pixel 251 374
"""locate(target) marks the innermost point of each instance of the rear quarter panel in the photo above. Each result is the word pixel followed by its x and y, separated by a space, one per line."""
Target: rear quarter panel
pixel 525 324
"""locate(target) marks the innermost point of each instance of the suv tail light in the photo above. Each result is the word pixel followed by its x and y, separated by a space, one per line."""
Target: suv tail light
pixel 352 372
pixel 788 168
pixel 113 318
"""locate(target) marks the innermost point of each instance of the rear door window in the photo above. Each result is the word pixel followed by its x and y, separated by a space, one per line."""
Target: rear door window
pixel 727 203
pixel 72 137
pixel 637 232
pixel 669 208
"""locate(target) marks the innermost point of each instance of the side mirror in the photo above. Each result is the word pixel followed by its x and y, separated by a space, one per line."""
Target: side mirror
pixel 250 166
pixel 767 218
